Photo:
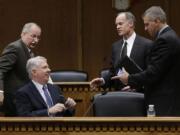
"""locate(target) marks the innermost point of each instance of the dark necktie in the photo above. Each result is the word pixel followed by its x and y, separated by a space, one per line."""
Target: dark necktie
pixel 124 50
pixel 47 96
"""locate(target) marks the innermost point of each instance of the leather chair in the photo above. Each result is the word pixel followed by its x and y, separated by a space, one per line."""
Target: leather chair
pixel 69 76
pixel 119 104
pixel 104 73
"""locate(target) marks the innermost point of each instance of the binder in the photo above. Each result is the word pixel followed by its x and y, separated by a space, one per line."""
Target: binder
pixel 130 65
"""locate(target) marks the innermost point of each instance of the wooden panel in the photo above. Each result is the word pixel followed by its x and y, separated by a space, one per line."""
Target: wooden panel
pixel 98 34
pixel 174 11
pixel 58 19
pixel 90 126
pixel 82 94
pixel 77 34
pixel 138 7
pixel 99 31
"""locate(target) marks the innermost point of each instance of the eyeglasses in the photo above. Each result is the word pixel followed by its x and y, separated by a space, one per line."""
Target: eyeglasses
pixel 34 36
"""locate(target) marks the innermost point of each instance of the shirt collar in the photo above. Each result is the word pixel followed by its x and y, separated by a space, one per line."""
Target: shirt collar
pixel 130 39
pixel 38 85
pixel 162 29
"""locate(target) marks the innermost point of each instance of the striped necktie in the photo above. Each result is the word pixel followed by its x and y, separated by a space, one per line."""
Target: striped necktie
pixel 47 96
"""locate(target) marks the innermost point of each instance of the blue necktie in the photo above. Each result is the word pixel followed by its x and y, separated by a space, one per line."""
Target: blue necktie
pixel 47 96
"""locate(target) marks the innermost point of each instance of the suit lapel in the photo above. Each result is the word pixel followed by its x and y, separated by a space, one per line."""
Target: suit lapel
pixel 53 93
pixel 135 48
pixel 27 55
pixel 36 94
pixel 164 31
pixel 118 50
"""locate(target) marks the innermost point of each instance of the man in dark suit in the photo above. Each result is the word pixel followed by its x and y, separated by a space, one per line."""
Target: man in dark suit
pixel 13 74
pixel 38 97
pixel 137 48
pixel 161 78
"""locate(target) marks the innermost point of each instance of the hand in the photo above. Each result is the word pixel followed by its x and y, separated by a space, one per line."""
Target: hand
pixel 57 108
pixel 70 103
pixel 128 89
pixel 95 83
pixel 123 77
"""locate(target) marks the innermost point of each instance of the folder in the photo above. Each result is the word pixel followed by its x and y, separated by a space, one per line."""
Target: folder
pixel 130 65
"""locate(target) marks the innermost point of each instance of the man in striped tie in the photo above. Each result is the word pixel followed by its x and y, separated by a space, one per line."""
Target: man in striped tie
pixel 38 97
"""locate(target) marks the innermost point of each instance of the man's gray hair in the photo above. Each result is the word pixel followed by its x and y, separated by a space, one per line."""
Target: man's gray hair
pixel 155 12
pixel 129 16
pixel 27 27
pixel 34 63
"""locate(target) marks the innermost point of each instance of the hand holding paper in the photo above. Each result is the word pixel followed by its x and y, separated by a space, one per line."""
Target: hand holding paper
pixel 123 77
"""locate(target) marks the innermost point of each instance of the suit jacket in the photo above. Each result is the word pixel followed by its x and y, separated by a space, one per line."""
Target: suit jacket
pixel 13 72
pixel 139 52
pixel 29 102
pixel 161 78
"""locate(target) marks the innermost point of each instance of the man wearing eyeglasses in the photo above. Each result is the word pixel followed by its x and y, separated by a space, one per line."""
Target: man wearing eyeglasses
pixel 13 74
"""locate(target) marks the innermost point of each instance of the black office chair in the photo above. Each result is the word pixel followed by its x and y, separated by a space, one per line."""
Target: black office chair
pixel 119 104
pixel 104 72
pixel 69 76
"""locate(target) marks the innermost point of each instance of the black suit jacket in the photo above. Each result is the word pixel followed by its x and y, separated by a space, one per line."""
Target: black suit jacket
pixel 139 53
pixel 161 78
pixel 29 102
pixel 13 72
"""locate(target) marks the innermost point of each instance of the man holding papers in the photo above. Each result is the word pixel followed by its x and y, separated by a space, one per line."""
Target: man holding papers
pixel 131 45
pixel 162 76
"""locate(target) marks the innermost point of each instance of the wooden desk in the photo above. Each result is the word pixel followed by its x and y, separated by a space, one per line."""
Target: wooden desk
pixel 81 92
pixel 90 126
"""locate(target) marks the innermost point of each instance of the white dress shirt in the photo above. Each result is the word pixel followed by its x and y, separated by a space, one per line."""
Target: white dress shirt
pixel 130 42
pixel 40 89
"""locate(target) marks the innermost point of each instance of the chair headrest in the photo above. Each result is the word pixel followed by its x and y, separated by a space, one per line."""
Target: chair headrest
pixel 69 76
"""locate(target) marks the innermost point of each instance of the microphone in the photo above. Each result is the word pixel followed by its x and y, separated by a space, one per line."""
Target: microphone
pixel 93 102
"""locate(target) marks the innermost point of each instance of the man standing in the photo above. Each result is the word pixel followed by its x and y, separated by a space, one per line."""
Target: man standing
pixel 161 78
pixel 131 44
pixel 13 74
pixel 38 97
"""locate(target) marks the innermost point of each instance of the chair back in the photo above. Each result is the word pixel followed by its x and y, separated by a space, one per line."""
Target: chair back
pixel 119 104
pixel 104 73
pixel 69 76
